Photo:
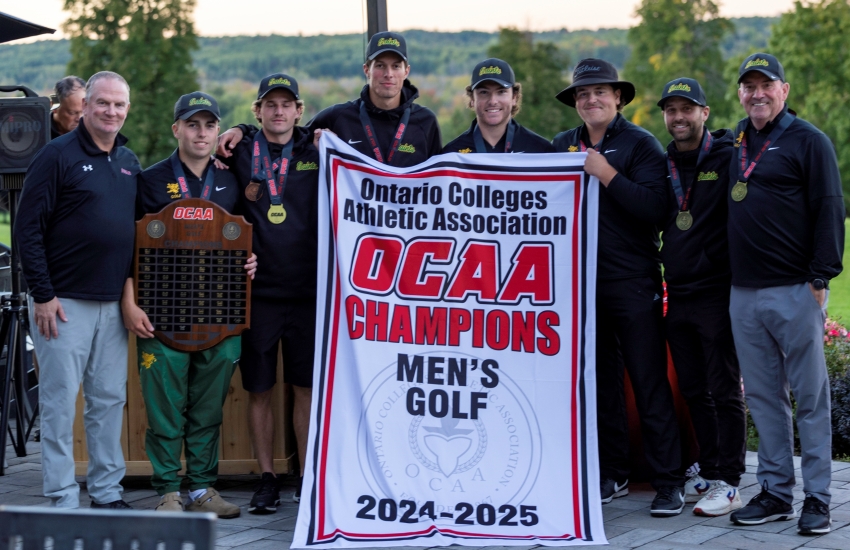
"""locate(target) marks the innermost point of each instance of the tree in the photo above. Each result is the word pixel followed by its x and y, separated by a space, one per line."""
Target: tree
pixel 540 68
pixel 675 38
pixel 811 43
pixel 149 43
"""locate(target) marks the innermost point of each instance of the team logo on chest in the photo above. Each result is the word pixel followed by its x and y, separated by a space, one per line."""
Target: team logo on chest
pixel 173 190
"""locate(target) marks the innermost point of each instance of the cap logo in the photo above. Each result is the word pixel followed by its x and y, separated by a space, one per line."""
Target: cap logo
pixel 489 70
pixel 200 101
pixel 681 87
pixel 275 81
pixel 757 62
pixel 389 42
pixel 585 69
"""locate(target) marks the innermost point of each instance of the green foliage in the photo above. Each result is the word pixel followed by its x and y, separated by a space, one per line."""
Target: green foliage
pixel 811 42
pixel 675 38
pixel 539 67
pixel 149 43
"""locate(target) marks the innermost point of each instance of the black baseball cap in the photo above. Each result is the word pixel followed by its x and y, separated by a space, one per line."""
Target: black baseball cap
pixel 596 71
pixel 683 87
pixel 275 81
pixel 493 70
pixel 386 42
pixel 764 63
pixel 195 102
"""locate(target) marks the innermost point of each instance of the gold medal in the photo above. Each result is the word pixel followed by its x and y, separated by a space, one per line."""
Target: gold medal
pixel 254 191
pixel 739 191
pixel 684 220
pixel 276 213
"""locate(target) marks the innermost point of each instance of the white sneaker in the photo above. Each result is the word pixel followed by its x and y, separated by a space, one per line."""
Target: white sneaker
pixel 697 487
pixel 720 500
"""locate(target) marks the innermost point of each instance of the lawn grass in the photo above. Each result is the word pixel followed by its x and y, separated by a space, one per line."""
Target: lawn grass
pixel 839 288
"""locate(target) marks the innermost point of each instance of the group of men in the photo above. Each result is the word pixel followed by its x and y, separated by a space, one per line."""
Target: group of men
pixel 749 248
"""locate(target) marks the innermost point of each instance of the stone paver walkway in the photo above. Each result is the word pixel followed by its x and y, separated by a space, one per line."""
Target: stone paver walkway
pixel 627 520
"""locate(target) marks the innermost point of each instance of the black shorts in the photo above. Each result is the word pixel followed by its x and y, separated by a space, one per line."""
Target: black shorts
pixel 293 324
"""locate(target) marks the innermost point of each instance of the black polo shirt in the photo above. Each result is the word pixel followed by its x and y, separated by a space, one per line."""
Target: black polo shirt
pixel 524 141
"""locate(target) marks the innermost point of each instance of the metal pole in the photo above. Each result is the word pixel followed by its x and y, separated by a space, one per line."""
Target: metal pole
pixel 376 16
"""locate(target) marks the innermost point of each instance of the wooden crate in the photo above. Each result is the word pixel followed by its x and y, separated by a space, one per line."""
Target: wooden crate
pixel 235 453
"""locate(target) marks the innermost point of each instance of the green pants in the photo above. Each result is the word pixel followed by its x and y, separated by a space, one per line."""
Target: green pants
pixel 184 394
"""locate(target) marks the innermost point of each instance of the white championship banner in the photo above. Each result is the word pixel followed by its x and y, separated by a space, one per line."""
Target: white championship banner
pixel 454 384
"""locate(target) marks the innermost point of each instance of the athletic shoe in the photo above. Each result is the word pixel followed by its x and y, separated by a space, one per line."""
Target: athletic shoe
pixel 170 502
pixel 297 496
pixel 814 517
pixel 762 508
pixel 720 500
pixel 114 505
pixel 266 496
pixel 610 489
pixel 697 487
pixel 668 501
pixel 211 501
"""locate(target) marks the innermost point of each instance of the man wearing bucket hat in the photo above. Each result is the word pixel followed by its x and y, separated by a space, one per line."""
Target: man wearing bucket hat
pixel 384 122
pixel 496 97
pixel 283 296
pixel 629 163
pixel 184 391
pixel 786 237
pixel 696 269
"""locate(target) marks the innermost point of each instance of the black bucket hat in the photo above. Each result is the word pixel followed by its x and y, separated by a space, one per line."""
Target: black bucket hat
pixel 596 71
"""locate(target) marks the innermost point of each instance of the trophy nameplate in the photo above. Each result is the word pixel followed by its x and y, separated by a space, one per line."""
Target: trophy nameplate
pixel 190 277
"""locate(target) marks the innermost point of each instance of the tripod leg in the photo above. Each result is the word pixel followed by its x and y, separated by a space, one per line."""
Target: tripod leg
pixel 7 390
pixel 22 405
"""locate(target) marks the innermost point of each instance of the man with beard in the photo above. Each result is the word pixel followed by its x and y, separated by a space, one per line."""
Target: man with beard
pixel 786 238
pixel 496 98
pixel 696 268
pixel 629 164
pixel 384 122
pixel 277 170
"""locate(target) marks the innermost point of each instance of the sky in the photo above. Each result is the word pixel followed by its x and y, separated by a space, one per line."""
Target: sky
pixel 311 17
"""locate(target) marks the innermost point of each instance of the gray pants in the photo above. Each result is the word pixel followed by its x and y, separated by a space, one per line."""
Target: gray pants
pixel 92 349
pixel 779 337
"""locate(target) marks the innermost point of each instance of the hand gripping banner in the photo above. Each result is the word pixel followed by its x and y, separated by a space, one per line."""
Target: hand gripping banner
pixel 454 383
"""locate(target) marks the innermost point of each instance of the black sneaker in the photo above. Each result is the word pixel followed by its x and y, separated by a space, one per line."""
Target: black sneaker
pixel 297 496
pixel 114 505
pixel 814 518
pixel 610 489
pixel 266 495
pixel 762 508
pixel 668 501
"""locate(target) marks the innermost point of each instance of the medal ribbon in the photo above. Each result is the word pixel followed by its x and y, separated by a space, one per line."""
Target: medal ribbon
pixel 177 168
pixel 373 139
pixel 744 170
pixel 682 198
pixel 480 146
pixel 261 150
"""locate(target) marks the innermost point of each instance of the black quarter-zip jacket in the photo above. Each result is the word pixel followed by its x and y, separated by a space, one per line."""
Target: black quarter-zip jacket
pixel 634 205
pixel 525 141
pixel 286 252
pixel 75 224
pixel 789 228
pixel 158 187
pixel 421 139
pixel 696 260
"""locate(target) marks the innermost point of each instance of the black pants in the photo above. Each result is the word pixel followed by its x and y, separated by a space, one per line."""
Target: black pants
pixel 630 333
pixel 699 332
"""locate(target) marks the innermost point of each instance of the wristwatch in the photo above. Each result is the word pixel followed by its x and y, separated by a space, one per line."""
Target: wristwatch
pixel 819 284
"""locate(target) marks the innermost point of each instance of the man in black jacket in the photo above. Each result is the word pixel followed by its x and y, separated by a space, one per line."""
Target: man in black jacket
pixel 496 98
pixel 629 163
pixel 786 238
pixel 696 268
pixel 384 122
pixel 69 92
pixel 75 232
pixel 277 170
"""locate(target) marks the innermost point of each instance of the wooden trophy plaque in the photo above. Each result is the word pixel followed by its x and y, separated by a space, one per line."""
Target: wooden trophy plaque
pixel 190 277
